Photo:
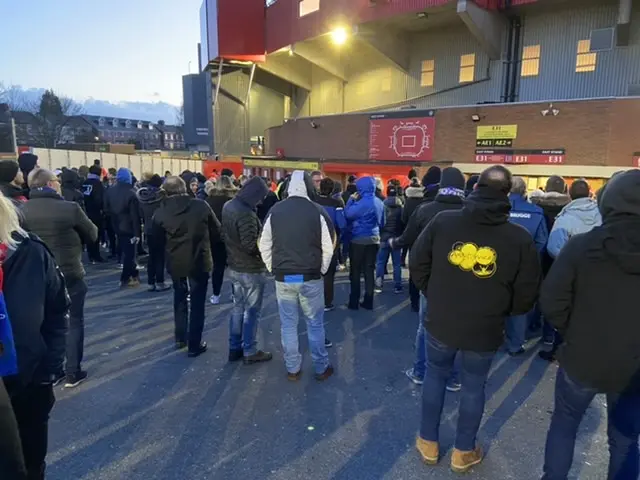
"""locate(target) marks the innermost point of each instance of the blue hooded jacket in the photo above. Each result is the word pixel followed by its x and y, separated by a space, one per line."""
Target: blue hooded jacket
pixel 366 214
pixel 579 216
pixel 531 217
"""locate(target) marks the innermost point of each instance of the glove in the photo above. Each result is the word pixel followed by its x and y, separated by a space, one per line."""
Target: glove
pixel 135 240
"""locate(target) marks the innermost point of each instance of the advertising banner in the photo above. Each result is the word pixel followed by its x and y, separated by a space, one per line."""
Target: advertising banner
pixel 516 157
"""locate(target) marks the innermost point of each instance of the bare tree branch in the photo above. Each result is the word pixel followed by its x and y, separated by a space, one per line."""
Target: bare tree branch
pixel 179 115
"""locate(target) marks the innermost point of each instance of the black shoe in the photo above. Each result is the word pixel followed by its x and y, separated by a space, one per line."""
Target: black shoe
pixel 352 307
pixel 235 355
pixel 152 288
pixel 327 343
pixel 59 378
pixel 548 356
pixel 181 345
pixel 516 353
pixel 258 357
pixel 75 379
pixel 367 305
pixel 321 377
pixel 198 351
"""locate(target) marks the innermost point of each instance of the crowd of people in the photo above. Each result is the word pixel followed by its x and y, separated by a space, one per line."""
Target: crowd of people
pixel 491 266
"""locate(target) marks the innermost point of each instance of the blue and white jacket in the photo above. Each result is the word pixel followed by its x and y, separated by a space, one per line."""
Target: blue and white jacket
pixel 531 217
pixel 579 216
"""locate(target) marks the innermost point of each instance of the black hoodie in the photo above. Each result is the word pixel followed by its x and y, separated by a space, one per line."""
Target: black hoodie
pixel 188 225
pixel 590 294
pixel 241 227
pixel 476 269
pixel 150 199
pixel 70 184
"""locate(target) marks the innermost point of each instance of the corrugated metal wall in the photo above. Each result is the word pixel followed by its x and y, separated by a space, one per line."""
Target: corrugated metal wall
pixel 230 127
pixel 558 35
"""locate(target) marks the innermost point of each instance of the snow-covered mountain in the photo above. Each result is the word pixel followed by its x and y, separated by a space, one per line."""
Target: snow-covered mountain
pixel 149 111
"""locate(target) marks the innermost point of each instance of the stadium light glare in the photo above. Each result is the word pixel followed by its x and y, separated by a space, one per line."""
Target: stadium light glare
pixel 339 35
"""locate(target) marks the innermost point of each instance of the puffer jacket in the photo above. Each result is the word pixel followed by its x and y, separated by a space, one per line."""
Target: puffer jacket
pixel 63 227
pixel 365 213
pixel 579 216
pixel 150 199
pixel 414 197
pixel 122 206
pixel 13 193
pixel 393 225
pixel 241 227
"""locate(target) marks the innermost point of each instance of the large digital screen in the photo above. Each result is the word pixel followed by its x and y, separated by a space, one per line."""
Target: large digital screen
pixel 403 135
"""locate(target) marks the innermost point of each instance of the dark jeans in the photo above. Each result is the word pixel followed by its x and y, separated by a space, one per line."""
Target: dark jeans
pixel 32 405
pixel 128 250
pixel 77 289
pixel 623 418
pixel 93 248
pixel 329 279
pixel 196 286
pixel 11 457
pixel 155 263
pixel 219 256
pixel 362 260
pixel 111 236
pixel 474 371
pixel 414 295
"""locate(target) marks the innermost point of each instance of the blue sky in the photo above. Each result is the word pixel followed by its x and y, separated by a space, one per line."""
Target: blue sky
pixel 115 50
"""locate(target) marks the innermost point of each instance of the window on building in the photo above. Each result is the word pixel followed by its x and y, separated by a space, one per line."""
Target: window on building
pixel 385 81
pixel 308 6
pixel 102 122
pixel 467 68
pixel 530 61
pixel 427 73
pixel 586 60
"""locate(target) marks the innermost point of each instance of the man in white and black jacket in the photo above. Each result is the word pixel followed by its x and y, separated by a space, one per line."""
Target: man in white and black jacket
pixel 297 246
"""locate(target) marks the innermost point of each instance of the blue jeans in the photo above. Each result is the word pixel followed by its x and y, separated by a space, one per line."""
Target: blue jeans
pixel 308 297
pixel 475 369
pixel 248 290
pixel 396 258
pixel 623 418
pixel 516 332
pixel 420 364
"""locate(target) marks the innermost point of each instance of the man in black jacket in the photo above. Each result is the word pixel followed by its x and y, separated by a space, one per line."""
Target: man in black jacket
pixel 601 349
pixel 450 197
pixel 63 227
pixel 392 227
pixel 11 181
pixel 121 204
pixel 151 196
pixel 476 269
pixel 188 225
pixel 93 191
pixel 71 184
pixel 299 254
pixel 37 306
pixel 241 231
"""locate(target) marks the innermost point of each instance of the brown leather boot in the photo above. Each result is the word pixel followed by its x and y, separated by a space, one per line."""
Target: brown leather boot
pixel 429 451
pixel 462 462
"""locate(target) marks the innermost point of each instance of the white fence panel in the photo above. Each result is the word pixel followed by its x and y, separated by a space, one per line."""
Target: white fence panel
pixel 166 165
pixel 193 166
pixel 44 159
pixel 78 159
pixel 58 159
pixel 157 167
pixel 147 164
pixel 108 160
pixel 135 165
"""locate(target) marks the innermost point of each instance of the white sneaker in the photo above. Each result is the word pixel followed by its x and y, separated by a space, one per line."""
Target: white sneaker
pixel 215 299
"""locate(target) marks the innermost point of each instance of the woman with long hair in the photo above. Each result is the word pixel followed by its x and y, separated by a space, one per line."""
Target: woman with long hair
pixel 36 305
pixel 218 194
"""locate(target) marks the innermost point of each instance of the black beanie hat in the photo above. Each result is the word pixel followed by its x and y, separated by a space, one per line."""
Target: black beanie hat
pixel 8 170
pixel 432 177
pixel 227 171
pixel 471 183
pixel 452 178
pixel 155 181
pixel 27 162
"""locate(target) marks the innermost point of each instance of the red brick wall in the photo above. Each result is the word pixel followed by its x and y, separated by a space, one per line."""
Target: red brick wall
pixel 594 132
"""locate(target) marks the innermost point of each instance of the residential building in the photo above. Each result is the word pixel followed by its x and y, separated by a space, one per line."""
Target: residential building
pixel 342 80
pixel 171 136
pixel 123 130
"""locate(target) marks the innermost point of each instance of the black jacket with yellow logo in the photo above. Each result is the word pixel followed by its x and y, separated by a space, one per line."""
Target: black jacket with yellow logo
pixel 476 269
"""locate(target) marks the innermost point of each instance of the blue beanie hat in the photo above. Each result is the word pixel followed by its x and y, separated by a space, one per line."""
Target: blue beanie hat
pixel 124 176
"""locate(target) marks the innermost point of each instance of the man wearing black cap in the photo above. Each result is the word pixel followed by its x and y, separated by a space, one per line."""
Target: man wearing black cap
pixel 476 269
pixel 11 181
pixel 589 296
pixel 27 162
pixel 450 196
pixel 431 183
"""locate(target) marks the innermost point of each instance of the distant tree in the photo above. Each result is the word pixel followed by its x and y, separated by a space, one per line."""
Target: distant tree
pixel 179 113
pixel 51 116
pixel 87 135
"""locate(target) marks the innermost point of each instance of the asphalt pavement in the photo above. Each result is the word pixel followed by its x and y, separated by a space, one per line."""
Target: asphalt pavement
pixel 148 412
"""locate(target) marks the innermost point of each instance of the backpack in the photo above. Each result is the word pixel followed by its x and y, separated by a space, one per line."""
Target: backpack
pixel 8 356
